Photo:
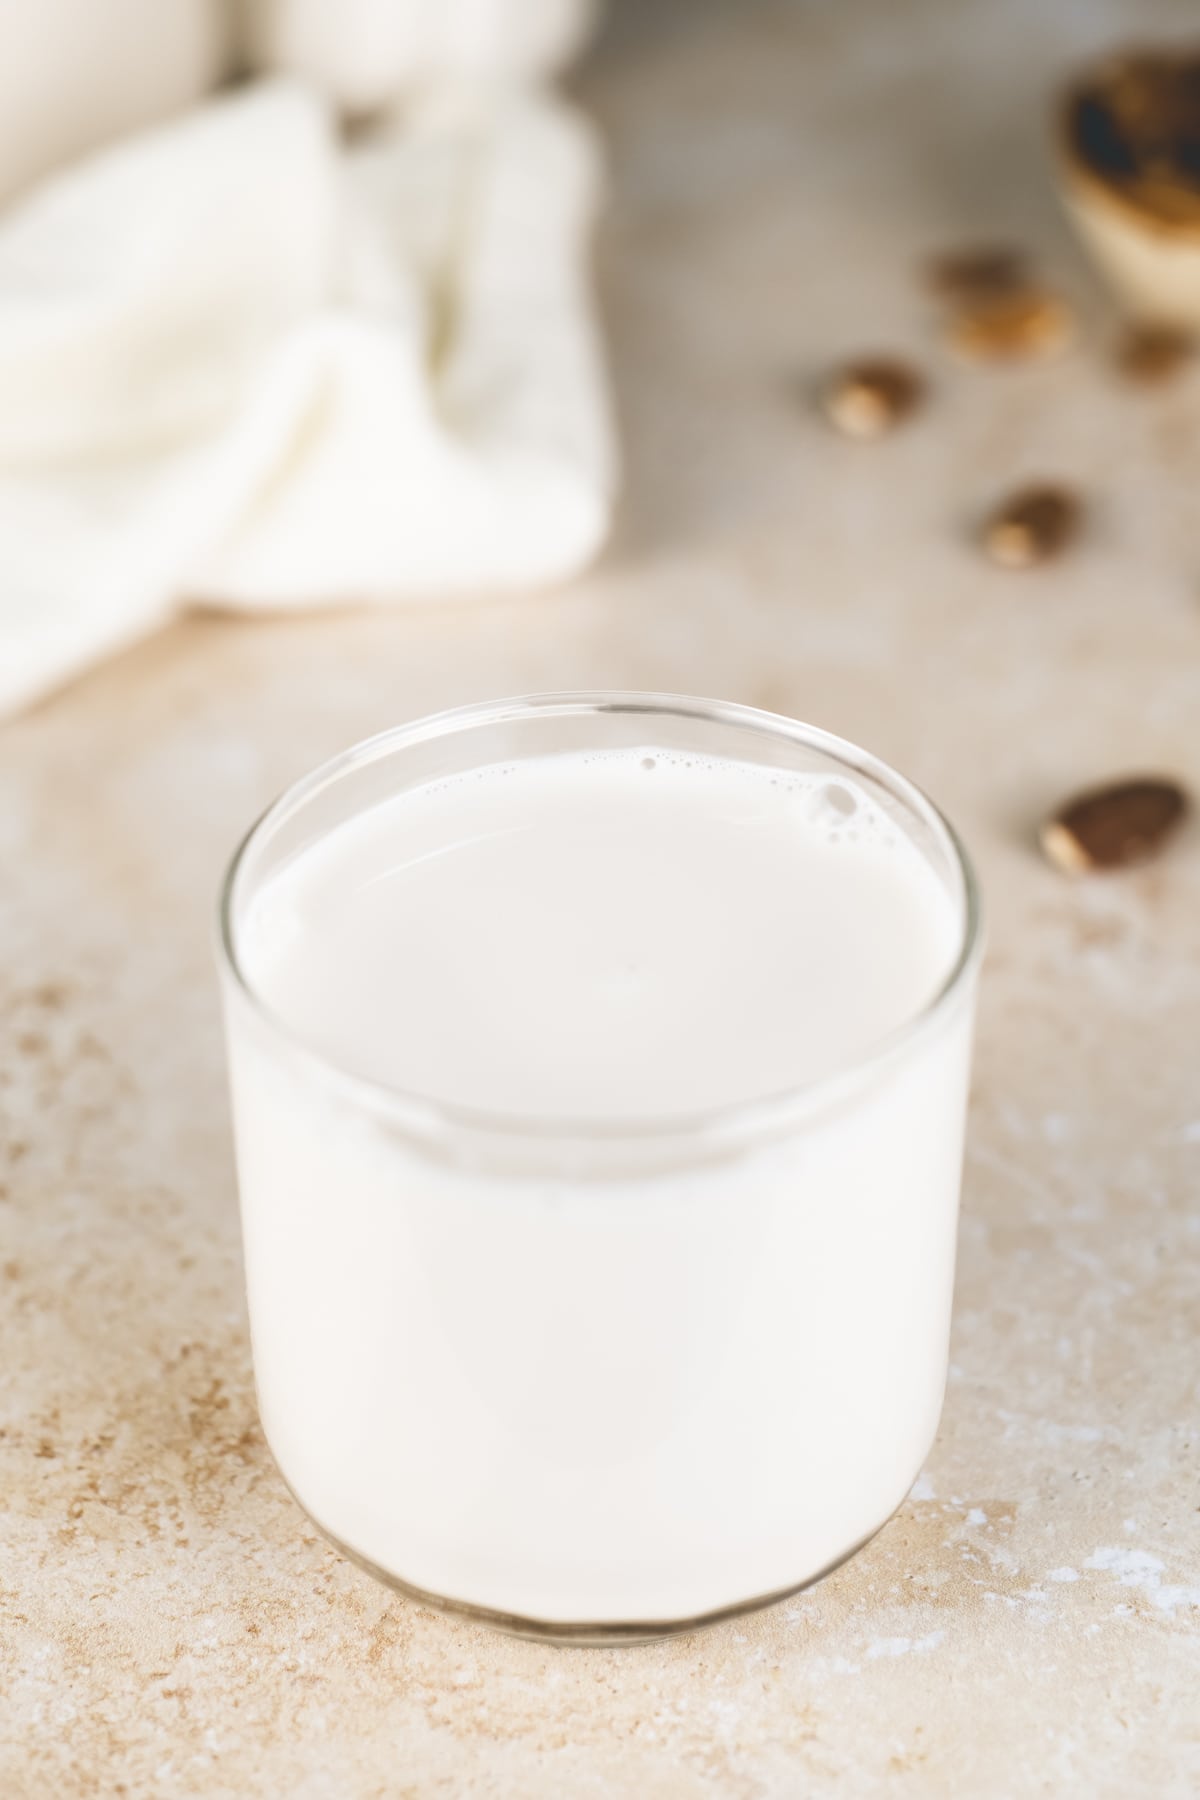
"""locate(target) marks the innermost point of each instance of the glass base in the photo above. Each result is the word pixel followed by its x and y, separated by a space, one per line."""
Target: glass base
pixel 603 1634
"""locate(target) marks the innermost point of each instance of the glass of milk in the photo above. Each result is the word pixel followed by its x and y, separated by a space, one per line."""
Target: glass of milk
pixel 599 1068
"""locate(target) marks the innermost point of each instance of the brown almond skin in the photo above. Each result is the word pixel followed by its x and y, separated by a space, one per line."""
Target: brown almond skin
pixel 1032 525
pixel 975 273
pixel 1116 826
pixel 867 398
pixel 1153 353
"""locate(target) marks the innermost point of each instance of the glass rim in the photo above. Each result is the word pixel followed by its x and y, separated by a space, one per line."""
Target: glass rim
pixel 726 1124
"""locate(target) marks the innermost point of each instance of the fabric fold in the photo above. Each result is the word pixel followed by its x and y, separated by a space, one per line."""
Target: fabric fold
pixel 242 365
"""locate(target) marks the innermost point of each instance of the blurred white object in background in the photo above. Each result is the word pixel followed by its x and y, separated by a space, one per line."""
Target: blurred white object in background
pixel 77 74
pixel 242 363
pixel 362 53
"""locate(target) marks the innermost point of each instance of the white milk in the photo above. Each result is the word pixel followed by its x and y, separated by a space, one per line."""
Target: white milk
pixel 627 1387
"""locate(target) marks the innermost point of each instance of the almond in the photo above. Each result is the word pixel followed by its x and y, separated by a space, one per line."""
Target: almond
pixel 1115 826
pixel 865 399
pixel 1153 353
pixel 1032 525
pixel 967 274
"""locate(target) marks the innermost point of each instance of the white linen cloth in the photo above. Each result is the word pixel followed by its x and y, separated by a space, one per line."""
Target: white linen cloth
pixel 242 365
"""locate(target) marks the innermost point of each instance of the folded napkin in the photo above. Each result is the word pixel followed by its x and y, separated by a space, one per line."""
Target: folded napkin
pixel 241 364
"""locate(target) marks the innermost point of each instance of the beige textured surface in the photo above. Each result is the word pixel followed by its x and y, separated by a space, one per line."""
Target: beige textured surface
pixel 1030 1623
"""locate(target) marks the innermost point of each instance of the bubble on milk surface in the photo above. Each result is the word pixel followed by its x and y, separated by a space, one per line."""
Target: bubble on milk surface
pixel 832 803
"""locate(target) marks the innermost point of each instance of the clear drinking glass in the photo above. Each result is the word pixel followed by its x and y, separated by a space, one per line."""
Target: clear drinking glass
pixel 471 1369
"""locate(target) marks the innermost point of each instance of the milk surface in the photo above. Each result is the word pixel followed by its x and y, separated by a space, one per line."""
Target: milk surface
pixel 640 1395
pixel 621 935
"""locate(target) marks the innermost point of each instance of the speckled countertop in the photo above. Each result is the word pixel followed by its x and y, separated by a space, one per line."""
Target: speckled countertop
pixel 1030 1622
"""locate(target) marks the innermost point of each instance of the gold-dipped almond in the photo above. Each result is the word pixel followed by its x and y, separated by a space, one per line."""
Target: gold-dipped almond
pixel 1011 326
pixel 1114 827
pixel 867 398
pixel 1032 525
